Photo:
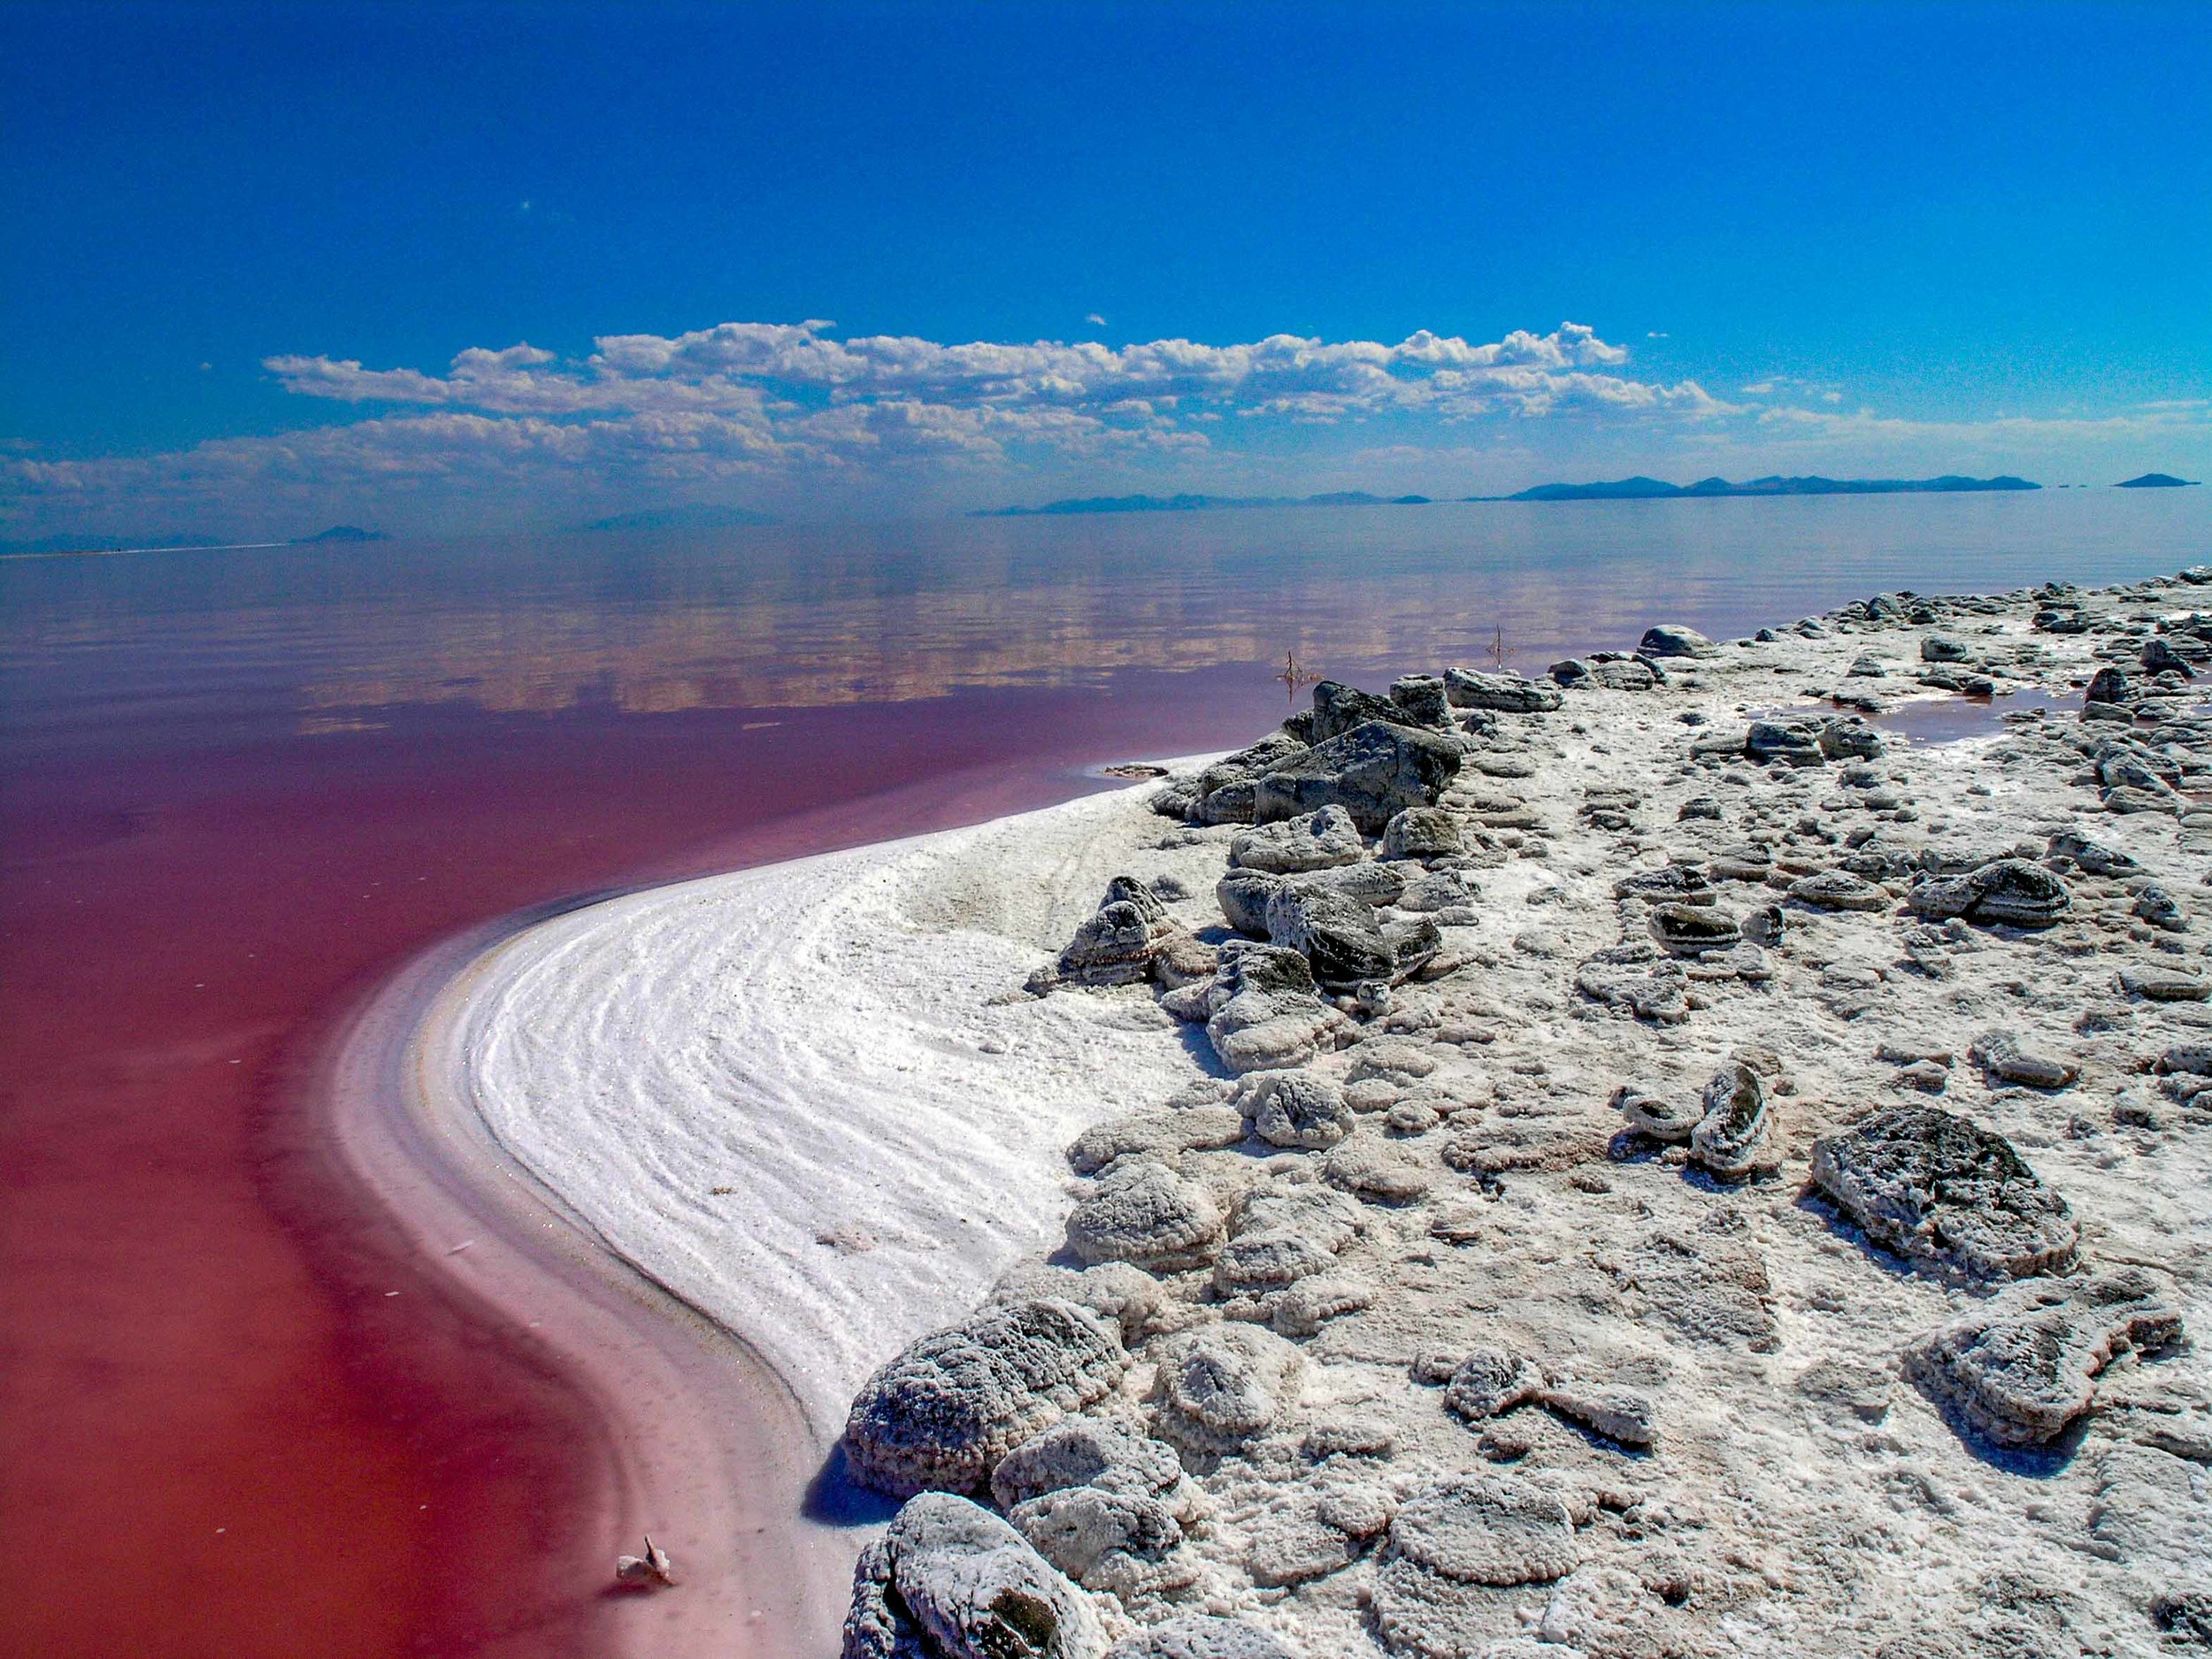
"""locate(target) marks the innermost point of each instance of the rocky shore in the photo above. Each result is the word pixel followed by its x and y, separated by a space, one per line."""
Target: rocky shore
pixel 1661 1166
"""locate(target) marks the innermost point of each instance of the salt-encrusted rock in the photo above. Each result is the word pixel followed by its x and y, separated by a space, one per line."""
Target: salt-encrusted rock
pixel 1490 1382
pixel 1668 639
pixel 2007 892
pixel 1651 1111
pixel 1119 1541
pixel 1315 842
pixel 1224 791
pixel 1263 1011
pixel 652 1570
pixel 1732 1130
pixel 1243 895
pixel 1296 1109
pixel 1635 977
pixel 1628 1417
pixel 941 1413
pixel 1200 1636
pixel 1339 937
pixel 1221 1385
pixel 2108 685
pixel 1154 1134
pixel 1423 831
pixel 1374 772
pixel 1796 741
pixel 1487 1529
pixel 1421 698
pixel 1448 895
pixel 1847 1386
pixel 1850 738
pixel 951 1581
pixel 1691 928
pixel 1746 861
pixel 2153 904
pixel 1086 1452
pixel 1127 1298
pixel 1508 694
pixel 2092 856
pixel 2000 1053
pixel 2164 984
pixel 1684 884
pixel 1338 708
pixel 1925 1183
pixel 2160 658
pixel 2022 1367
pixel 1938 647
pixel 1839 890
pixel 1116 945
pixel 1375 1170
pixel 1147 1214
pixel 1311 1302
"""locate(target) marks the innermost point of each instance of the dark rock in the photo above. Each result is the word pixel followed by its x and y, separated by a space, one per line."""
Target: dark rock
pixel 1423 831
pixel 1373 772
pixel 1925 1183
pixel 1796 741
pixel 951 1581
pixel 1668 639
pixel 943 1413
pixel 1732 1130
pixel 2021 1368
pixel 1146 1214
pixel 1339 937
pixel 1316 842
pixel 1422 699
pixel 2108 685
pixel 1939 648
pixel 2009 891
pixel 1691 928
pixel 1508 694
pixel 1338 708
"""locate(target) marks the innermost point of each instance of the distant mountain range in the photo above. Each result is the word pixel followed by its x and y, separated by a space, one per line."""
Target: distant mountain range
pixel 2156 480
pixel 340 533
pixel 178 542
pixel 1198 503
pixel 1659 489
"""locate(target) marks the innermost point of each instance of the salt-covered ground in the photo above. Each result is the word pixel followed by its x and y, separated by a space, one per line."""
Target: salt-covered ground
pixel 815 1102
pixel 809 1098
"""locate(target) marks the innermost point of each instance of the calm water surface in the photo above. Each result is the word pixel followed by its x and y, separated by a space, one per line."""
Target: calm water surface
pixel 240 788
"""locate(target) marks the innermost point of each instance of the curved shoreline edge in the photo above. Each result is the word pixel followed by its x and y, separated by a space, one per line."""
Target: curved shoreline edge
pixel 669 1383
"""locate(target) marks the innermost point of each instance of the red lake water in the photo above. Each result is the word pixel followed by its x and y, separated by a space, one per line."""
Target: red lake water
pixel 237 1418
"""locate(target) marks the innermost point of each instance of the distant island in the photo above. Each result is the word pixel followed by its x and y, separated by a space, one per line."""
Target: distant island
pixel 1659 489
pixel 340 533
pixel 1198 503
pixel 2156 480
pixel 700 516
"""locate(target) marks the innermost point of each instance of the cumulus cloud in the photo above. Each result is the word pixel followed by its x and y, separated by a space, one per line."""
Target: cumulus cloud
pixel 790 403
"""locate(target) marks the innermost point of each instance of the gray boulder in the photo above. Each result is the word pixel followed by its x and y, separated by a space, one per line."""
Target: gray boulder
pixel 1086 1452
pixel 1938 647
pixel 951 1581
pixel 1118 1541
pixel 1338 708
pixel 1341 937
pixel 1296 1109
pixel 1219 1386
pixel 1839 890
pixel 1146 1214
pixel 2005 892
pixel 1374 772
pixel 1732 1130
pixel 1313 842
pixel 1671 640
pixel 2021 1368
pixel 1222 794
pixel 1423 831
pixel 1154 1134
pixel 1422 700
pixel 941 1413
pixel 1507 694
pixel 1796 741
pixel 1262 1011
pixel 1118 943
pixel 1927 1184
pixel 1689 929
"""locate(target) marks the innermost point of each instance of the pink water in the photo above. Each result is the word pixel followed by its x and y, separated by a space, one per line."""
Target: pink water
pixel 241 787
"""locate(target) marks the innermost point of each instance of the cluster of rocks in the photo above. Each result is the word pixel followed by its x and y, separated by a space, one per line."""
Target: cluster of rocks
pixel 1562 1159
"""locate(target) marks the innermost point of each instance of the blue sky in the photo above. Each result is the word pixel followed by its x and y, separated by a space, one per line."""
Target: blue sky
pixel 271 265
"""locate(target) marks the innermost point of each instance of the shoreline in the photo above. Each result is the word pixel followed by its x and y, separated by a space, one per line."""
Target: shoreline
pixel 664 1381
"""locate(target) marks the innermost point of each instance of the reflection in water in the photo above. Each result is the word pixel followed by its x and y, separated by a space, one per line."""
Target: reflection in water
pixel 824 618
